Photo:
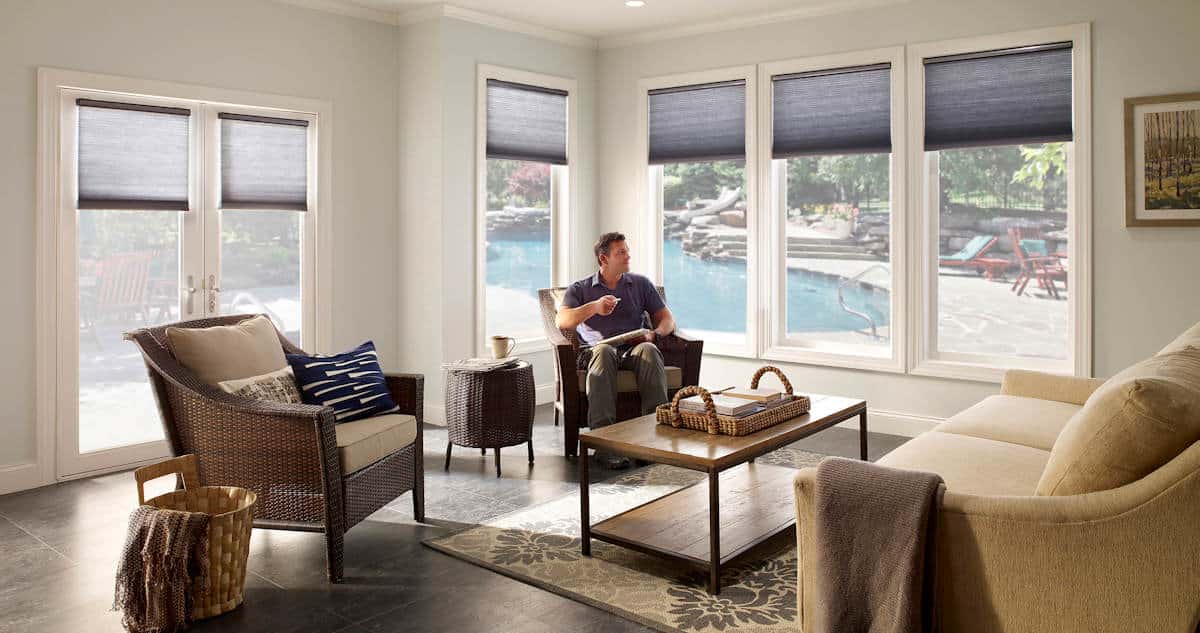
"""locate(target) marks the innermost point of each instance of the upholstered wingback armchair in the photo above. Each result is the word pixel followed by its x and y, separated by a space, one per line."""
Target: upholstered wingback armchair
pixel 681 356
pixel 309 474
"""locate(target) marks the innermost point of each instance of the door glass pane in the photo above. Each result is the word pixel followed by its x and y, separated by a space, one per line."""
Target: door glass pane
pixel 260 266
pixel 518 246
pixel 128 278
pixel 837 229
pixel 704 248
pixel 1002 242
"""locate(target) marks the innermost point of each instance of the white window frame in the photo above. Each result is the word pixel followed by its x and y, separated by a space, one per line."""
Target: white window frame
pixel 649 230
pixel 925 359
pixel 57 298
pixel 777 344
pixel 562 197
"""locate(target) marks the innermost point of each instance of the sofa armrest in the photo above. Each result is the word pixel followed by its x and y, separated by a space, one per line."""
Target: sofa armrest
pixel 1126 559
pixel 1044 386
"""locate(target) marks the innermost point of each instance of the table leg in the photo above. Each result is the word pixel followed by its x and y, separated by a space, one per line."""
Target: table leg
pixel 530 450
pixel 449 445
pixel 862 435
pixel 714 533
pixel 497 449
pixel 585 519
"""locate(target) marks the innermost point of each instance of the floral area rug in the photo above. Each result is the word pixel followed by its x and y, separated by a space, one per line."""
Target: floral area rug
pixel 540 545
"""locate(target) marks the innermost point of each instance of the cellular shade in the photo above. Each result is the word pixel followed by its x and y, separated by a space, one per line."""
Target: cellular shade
pixel 526 123
pixel 264 162
pixel 132 156
pixel 1003 97
pixel 842 111
pixel 698 123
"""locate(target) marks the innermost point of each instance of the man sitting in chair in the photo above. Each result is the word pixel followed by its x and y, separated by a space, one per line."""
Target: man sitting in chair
pixel 615 301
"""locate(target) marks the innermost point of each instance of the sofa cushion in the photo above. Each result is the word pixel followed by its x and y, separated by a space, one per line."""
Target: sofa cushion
pixel 1139 420
pixel 972 465
pixel 627 380
pixel 1026 421
pixel 228 352
pixel 363 442
pixel 1190 336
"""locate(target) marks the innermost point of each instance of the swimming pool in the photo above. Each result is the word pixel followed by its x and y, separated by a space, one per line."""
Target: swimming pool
pixel 704 294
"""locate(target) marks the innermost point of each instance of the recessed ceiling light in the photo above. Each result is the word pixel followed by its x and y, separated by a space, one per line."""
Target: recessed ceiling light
pixel 635 3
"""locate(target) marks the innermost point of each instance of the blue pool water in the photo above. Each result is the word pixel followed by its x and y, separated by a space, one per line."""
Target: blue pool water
pixel 705 295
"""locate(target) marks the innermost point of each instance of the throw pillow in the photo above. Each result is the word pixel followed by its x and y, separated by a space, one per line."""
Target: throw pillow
pixel 1190 336
pixel 351 383
pixel 228 352
pixel 277 386
pixel 1134 423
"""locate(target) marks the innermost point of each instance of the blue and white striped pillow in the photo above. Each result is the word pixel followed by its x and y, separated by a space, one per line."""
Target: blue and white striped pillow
pixel 351 383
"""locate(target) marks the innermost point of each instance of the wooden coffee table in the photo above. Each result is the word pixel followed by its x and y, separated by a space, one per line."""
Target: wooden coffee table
pixel 757 498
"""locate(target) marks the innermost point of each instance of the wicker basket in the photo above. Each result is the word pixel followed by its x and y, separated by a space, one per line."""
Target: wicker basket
pixel 717 424
pixel 231 516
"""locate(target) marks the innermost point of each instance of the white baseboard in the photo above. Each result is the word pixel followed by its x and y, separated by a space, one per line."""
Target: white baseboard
pixel 895 423
pixel 435 412
pixel 20 477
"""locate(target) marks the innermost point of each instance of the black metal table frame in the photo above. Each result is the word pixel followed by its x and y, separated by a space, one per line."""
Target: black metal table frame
pixel 714 498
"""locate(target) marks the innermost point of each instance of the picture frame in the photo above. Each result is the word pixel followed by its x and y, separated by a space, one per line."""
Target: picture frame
pixel 1162 160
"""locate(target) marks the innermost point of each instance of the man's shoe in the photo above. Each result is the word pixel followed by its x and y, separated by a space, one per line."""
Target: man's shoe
pixel 616 463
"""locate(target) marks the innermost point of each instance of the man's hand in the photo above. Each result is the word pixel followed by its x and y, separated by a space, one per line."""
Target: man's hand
pixel 605 305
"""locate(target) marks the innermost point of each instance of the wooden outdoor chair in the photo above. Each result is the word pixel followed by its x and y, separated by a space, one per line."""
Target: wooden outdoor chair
pixel 681 356
pixel 287 453
pixel 1036 263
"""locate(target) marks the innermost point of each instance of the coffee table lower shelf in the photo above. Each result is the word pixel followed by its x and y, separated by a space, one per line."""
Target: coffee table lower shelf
pixel 754 503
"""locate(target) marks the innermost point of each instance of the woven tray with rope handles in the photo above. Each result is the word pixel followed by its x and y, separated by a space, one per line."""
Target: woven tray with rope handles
pixel 717 424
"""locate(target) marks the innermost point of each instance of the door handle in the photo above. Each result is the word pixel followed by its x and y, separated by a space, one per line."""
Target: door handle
pixel 191 291
pixel 212 294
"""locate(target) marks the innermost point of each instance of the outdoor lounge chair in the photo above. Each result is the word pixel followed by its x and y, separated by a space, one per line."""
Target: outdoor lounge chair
pixel 1036 263
pixel 680 355
pixel 971 256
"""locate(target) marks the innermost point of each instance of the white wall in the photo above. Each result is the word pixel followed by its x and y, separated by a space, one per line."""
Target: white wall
pixel 237 44
pixel 1144 285
pixel 448 241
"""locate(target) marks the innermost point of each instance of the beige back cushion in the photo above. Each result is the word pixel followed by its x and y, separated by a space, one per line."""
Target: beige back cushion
pixel 1137 421
pixel 1190 337
pixel 228 352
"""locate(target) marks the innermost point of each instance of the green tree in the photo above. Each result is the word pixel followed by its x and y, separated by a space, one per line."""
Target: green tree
pixel 687 182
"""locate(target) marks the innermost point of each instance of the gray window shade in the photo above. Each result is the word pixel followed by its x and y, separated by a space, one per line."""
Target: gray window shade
pixel 1004 97
pixel 698 123
pixel 132 156
pixel 842 111
pixel 264 162
pixel 526 123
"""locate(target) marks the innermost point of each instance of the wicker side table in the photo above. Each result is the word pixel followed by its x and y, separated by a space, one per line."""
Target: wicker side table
pixel 490 409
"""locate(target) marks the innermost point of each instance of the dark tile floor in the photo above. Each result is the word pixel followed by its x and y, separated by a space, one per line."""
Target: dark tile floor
pixel 59 544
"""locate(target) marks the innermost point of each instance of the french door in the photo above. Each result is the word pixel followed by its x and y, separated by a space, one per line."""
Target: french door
pixel 129 267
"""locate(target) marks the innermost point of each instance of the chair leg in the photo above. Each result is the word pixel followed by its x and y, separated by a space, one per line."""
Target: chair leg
pixel 418 491
pixel 334 548
pixel 449 445
pixel 483 451
pixel 530 450
pixel 555 416
pixel 497 449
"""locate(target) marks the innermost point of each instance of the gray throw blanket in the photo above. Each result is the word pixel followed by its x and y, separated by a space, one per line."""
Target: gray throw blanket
pixel 874 547
pixel 164 549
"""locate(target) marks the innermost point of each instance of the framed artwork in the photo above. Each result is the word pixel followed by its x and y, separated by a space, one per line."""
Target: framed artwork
pixel 1162 160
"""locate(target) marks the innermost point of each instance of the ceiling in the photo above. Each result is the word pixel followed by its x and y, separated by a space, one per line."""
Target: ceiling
pixel 611 22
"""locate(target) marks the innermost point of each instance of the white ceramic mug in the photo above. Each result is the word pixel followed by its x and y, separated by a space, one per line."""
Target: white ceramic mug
pixel 502 346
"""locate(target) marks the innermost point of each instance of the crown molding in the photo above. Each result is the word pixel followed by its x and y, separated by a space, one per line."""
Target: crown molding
pixel 349 9
pixel 505 24
pixel 728 24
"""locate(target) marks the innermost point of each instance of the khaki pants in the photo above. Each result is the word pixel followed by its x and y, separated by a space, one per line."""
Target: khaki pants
pixel 644 360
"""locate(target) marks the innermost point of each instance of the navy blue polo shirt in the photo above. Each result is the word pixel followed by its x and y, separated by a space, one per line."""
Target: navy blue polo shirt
pixel 638 297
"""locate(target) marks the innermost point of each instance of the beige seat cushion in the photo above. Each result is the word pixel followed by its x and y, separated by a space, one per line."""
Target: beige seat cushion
pixel 363 442
pixel 1137 421
pixel 228 352
pixel 972 465
pixel 627 380
pixel 1190 336
pixel 1027 421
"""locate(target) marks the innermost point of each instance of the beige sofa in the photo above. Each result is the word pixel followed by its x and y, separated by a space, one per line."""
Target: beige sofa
pixel 1033 535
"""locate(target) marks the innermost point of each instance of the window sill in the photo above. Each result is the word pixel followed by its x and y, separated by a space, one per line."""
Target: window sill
pixel 989 372
pixel 826 358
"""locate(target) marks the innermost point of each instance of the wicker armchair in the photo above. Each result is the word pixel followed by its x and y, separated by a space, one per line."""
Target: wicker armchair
pixel 286 453
pixel 571 401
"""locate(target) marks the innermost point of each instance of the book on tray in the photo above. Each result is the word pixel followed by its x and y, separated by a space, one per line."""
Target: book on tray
pixel 737 403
